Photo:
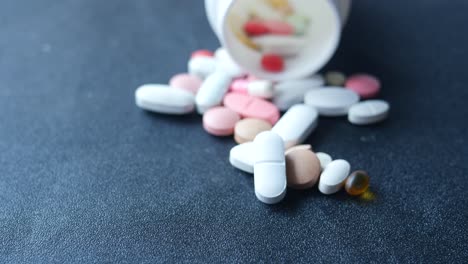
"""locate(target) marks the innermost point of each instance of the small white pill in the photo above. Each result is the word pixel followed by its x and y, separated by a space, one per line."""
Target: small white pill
pixel 260 88
pixel 226 64
pixel 242 157
pixel 212 91
pixel 324 159
pixel 164 99
pixel 269 168
pixel 296 124
pixel 334 176
pixel 202 66
pixel 280 45
pixel 291 92
pixel 331 101
pixel 368 112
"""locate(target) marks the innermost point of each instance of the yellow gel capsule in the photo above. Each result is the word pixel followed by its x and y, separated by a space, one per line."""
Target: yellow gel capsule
pixel 357 183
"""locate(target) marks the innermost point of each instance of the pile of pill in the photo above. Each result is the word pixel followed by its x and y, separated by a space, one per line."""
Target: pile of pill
pixel 274 29
pixel 236 104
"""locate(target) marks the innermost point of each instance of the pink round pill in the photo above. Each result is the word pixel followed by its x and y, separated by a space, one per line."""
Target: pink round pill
pixel 251 107
pixel 367 86
pixel 277 27
pixel 220 121
pixel 186 82
pixel 202 53
pixel 239 86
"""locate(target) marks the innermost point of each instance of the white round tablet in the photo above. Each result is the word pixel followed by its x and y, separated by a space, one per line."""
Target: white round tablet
pixel 334 176
pixel 324 159
pixel 331 101
pixel 368 112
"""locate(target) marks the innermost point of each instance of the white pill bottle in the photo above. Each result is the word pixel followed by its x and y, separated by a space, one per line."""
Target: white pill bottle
pixel 317 31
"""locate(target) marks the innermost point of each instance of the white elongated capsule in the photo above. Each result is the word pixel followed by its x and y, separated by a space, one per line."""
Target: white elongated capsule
pixel 368 112
pixel 331 101
pixel 226 64
pixel 260 88
pixel 324 159
pixel 202 66
pixel 269 168
pixel 242 157
pixel 164 99
pixel 291 92
pixel 334 176
pixel 280 45
pixel 296 124
pixel 212 91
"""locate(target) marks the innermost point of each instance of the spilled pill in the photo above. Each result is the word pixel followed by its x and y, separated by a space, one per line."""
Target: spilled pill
pixel 202 53
pixel 334 176
pixel 164 99
pixel 368 112
pixel 331 101
pixel 220 121
pixel 296 124
pixel 335 78
pixel 186 82
pixel 202 66
pixel 247 129
pixel 324 159
pixel 302 167
pixel 249 106
pixel 291 92
pixel 269 168
pixel 367 86
pixel 212 91
pixel 242 157
pixel 357 183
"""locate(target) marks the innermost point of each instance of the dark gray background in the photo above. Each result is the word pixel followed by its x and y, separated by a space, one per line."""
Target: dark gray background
pixel 86 176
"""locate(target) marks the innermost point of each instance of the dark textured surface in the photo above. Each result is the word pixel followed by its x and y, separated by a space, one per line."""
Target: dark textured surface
pixel 85 176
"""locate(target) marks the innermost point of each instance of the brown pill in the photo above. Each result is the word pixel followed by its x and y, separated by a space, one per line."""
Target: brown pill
pixel 247 129
pixel 302 167
pixel 357 183
pixel 335 78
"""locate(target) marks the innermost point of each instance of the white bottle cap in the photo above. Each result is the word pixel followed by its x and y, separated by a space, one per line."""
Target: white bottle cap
pixel 317 43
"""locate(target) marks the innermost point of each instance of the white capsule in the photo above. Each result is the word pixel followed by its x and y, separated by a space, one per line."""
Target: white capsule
pixel 324 159
pixel 291 92
pixel 202 66
pixel 242 157
pixel 331 101
pixel 212 91
pixel 280 45
pixel 296 124
pixel 334 176
pixel 368 112
pixel 269 168
pixel 226 64
pixel 164 99
pixel 260 88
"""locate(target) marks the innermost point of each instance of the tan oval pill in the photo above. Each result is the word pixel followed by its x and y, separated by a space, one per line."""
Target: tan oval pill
pixel 247 129
pixel 302 167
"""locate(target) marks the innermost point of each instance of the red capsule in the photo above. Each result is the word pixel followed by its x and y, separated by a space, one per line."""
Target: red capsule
pixel 255 28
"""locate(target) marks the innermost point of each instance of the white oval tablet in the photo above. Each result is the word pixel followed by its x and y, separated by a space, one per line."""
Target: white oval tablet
pixel 164 99
pixel 324 159
pixel 334 176
pixel 368 112
pixel 269 168
pixel 202 66
pixel 260 88
pixel 291 92
pixel 296 124
pixel 212 91
pixel 331 101
pixel 280 44
pixel 242 157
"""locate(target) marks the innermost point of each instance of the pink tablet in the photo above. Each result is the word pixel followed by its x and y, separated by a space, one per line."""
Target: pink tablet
pixel 220 121
pixel 186 82
pixel 367 86
pixel 251 107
